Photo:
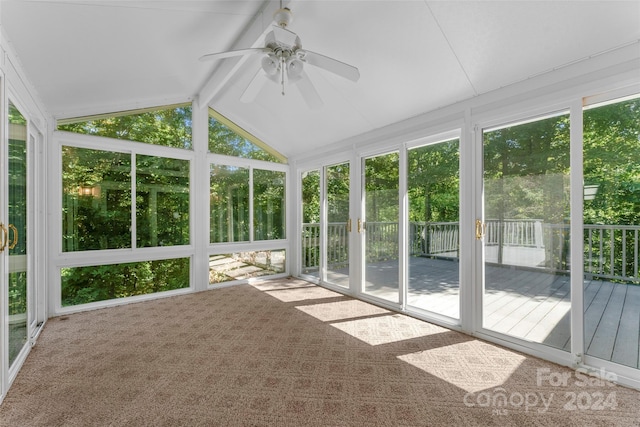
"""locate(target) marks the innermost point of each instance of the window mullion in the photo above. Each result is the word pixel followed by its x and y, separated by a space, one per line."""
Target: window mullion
pixel 251 231
pixel 133 200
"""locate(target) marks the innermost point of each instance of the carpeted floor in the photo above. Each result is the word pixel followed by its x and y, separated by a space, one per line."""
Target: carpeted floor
pixel 287 353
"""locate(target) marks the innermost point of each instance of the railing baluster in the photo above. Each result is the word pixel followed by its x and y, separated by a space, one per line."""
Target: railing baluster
pixel 590 250
pixel 624 253
pixel 612 249
pixel 635 255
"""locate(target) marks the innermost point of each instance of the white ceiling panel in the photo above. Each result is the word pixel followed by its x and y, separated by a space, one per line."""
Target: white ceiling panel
pixel 94 56
pixel 87 56
pixel 499 43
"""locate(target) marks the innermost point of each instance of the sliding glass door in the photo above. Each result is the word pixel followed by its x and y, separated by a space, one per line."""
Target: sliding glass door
pixel 433 186
pixel 15 241
pixel 326 224
pixel 525 231
pixel 310 227
pixel 611 215
pixel 338 230
pixel 380 183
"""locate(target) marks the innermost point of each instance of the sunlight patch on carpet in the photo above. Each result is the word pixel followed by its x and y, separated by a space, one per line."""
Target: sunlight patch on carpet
pixel 340 310
pixel 472 366
pixel 387 329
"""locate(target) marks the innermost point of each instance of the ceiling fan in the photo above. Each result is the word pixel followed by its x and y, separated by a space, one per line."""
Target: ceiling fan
pixel 284 61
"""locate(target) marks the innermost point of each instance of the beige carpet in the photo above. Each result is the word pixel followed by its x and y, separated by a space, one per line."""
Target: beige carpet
pixel 287 353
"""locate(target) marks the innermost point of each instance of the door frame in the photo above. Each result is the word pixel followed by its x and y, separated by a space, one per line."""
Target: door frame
pixel 296 246
pixel 503 119
pixel 36 248
pixel 464 207
pixel 360 232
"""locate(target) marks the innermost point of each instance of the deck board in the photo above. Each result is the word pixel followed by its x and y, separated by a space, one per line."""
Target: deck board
pixel 604 337
pixel 594 312
pixel 537 324
pixel 515 305
pixel 626 347
pixel 531 305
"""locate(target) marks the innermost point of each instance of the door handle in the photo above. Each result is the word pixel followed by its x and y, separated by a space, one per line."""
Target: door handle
pixel 5 237
pixel 481 229
pixel 14 243
pixel 360 225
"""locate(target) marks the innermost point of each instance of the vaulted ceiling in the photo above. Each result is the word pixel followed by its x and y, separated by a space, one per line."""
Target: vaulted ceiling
pixel 93 56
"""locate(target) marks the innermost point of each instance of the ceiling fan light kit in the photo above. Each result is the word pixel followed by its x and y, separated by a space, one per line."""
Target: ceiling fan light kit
pixel 286 59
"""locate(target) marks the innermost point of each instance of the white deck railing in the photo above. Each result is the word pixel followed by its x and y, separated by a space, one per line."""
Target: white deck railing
pixel 610 251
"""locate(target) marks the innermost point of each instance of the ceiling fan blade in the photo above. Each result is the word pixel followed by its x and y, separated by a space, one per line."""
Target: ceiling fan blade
pixel 308 91
pixel 231 53
pixel 333 65
pixel 284 36
pixel 255 86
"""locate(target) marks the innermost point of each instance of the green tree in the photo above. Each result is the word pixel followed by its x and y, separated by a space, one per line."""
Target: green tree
pixel 168 127
pixel 612 163
pixel 612 170
pixel 223 140
pixel 433 182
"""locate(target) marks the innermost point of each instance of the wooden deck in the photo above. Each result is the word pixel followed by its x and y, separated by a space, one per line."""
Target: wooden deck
pixel 527 304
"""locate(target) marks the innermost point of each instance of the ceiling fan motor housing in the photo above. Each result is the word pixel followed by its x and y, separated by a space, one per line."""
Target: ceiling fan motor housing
pixel 283 17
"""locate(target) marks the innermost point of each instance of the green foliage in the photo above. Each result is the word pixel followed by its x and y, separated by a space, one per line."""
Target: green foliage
pixel 101 218
pixel 269 204
pixel 311 197
pixel 223 140
pixel 612 163
pixel 167 127
pixel 162 201
pixel 434 182
pixel 381 187
pixel 337 183
pixel 612 166
pixel 82 285
pixel 17 292
pixel 15 116
pixel 229 204
pixel 526 169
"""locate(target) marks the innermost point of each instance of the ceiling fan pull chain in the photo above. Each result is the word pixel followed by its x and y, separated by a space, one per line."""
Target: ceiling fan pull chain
pixel 282 65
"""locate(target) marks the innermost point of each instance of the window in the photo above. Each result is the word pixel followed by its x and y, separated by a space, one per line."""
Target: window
pixel 167 126
pixel 82 285
pixel 96 199
pixel 162 201
pixel 100 211
pixel 268 204
pixel 245 265
pixel 229 204
pixel 229 139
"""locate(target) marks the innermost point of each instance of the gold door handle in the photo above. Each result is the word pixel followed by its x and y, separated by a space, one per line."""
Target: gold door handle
pixel 481 229
pixel 14 243
pixel 360 226
pixel 349 226
pixel 5 237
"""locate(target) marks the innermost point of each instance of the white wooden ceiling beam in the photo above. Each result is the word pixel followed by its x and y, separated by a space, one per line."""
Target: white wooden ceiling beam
pixel 252 36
